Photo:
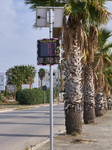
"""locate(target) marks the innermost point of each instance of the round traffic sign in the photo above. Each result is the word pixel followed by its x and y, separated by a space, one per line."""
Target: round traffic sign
pixel 44 88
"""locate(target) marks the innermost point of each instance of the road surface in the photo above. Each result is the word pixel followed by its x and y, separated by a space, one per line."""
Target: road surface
pixel 23 128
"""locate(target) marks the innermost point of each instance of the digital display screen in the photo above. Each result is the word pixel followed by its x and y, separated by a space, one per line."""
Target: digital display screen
pixel 48 51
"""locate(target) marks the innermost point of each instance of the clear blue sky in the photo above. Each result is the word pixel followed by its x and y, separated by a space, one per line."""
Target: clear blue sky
pixel 18 37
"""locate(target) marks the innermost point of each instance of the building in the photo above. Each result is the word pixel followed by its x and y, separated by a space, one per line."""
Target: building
pixel 46 80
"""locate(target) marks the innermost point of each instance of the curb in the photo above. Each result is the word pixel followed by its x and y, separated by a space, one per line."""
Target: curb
pixel 13 109
pixel 46 141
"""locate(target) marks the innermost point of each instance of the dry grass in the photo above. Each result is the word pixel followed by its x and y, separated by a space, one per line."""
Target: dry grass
pixel 15 105
pixel 20 108
pixel 74 134
pixel 26 148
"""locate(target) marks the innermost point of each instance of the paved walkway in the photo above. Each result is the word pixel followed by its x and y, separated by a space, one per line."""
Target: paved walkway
pixel 97 136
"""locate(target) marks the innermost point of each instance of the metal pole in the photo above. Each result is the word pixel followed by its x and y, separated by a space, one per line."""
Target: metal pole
pixel 51 86
pixel 58 86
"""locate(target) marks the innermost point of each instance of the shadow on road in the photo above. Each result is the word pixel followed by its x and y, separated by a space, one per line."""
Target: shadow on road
pixel 20 123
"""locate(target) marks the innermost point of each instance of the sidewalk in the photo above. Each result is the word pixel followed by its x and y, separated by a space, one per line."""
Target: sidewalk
pixel 6 110
pixel 97 136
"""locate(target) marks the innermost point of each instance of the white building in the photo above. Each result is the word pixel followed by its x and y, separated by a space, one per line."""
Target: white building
pixel 46 80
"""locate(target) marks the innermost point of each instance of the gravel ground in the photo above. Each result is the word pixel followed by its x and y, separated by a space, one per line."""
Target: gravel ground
pixel 97 136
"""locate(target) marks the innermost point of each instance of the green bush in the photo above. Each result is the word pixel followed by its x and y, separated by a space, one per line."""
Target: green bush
pixel 47 96
pixel 39 95
pixel 18 94
pixel 32 96
pixel 25 97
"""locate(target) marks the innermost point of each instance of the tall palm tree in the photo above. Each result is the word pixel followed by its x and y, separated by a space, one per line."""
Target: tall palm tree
pixel 75 42
pixel 41 74
pixel 108 86
pixel 88 89
pixel 102 58
pixel 30 73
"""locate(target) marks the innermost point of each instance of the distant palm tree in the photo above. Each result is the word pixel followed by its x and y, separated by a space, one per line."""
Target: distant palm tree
pixel 108 85
pixel 102 58
pixel 31 72
pixel 19 75
pixel 41 74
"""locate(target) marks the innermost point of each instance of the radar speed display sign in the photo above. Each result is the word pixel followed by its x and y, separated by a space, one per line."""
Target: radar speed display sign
pixel 48 51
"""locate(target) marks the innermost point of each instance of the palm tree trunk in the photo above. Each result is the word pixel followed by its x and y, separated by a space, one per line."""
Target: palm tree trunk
pixel 89 101
pixel 105 103
pixel 73 95
pixel 41 83
pixel 88 90
pixel 99 102
pixel 109 103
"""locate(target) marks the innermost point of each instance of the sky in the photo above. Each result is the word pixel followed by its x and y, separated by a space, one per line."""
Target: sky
pixel 18 37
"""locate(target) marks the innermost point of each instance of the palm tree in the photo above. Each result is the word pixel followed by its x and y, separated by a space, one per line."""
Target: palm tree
pixel 61 67
pixel 102 58
pixel 73 93
pixel 88 89
pixel 41 74
pixel 19 75
pixel 108 86
pixel 74 42
pixel 31 72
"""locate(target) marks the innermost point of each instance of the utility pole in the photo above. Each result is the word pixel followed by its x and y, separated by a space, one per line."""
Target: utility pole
pixel 54 20
pixel 51 84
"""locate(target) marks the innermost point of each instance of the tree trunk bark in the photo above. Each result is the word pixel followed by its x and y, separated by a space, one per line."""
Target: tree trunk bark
pixel 41 83
pixel 73 94
pixel 76 44
pixel 89 114
pixel 109 103
pixel 30 85
pixel 105 103
pixel 73 121
pixel 99 102
pixel 88 90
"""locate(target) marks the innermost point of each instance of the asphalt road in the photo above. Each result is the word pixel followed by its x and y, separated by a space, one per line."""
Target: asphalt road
pixel 23 128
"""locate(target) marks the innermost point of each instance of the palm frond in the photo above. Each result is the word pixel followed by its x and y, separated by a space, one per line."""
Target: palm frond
pixel 95 82
pixel 106 89
pixel 98 13
pixel 107 48
pixel 92 39
pixel 107 62
pixel 67 42
pixel 84 58
pixel 103 36
pixel 75 9
pixel 99 64
pixel 34 3
pixel 108 76
pixel 101 79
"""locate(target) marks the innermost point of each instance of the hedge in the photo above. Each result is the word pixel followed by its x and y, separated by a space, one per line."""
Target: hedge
pixel 32 96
